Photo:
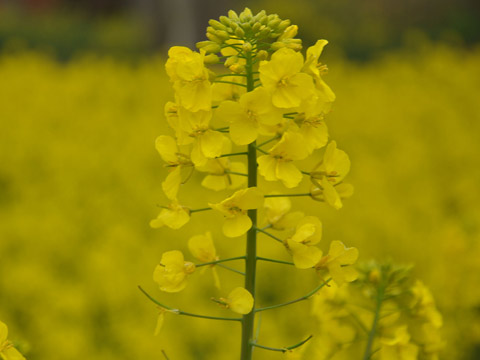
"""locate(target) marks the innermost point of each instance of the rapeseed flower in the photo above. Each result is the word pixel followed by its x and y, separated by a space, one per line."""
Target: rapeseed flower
pixel 338 262
pixel 239 300
pixel 174 216
pixel 234 208
pixel 278 213
pixel 7 351
pixel 171 275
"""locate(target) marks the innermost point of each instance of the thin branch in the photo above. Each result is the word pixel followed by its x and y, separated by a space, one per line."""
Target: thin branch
pixel 269 141
pixel 261 150
pixel 220 261
pixel 235 173
pixel 285 349
pixel 229 82
pixel 232 269
pixel 224 75
pixel 180 312
pixel 199 210
pixel 305 297
pixel 268 234
pixel 275 261
pixel 234 154
pixel 286 195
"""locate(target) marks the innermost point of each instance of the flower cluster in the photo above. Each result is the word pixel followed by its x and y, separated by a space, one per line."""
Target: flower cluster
pixel 269 105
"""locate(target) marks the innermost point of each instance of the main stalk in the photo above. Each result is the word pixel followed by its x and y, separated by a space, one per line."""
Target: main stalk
pixel 251 253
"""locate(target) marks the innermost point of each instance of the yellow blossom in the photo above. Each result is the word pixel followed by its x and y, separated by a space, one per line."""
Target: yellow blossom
pixel 303 256
pixel 187 71
pixel 171 275
pixel 395 345
pixel 176 161
pixel 278 215
pixel 328 175
pixel 308 231
pixel 174 216
pixel 253 114
pixel 203 249
pixel 315 69
pixel 7 351
pixel 281 76
pixel 234 208
pixel 277 165
pixel 239 300
pixel 339 263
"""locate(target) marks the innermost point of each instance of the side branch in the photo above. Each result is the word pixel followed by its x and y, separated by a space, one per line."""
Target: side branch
pixel 285 349
pixel 220 261
pixel 305 297
pixel 180 312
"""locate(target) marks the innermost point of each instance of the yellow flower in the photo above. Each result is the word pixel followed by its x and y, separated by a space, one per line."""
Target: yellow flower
pixel 277 165
pixel 235 209
pixel 253 114
pixel 7 351
pixel 206 143
pixel 315 69
pixel 222 92
pixel 329 173
pixel 189 75
pixel 303 256
pixel 174 216
pixel 203 249
pixel 171 275
pixel 339 263
pixel 219 176
pixel 281 76
pixel 278 215
pixel 308 231
pixel 239 300
pixel 395 345
pixel 176 161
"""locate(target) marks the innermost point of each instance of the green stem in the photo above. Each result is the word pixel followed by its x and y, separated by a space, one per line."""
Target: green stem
pixel 286 195
pixel 257 148
pixel 275 261
pixel 371 336
pixel 235 173
pixel 229 82
pixel 234 154
pixel 232 269
pixel 268 234
pixel 251 251
pixel 199 210
pixel 180 312
pixel 224 75
pixel 269 140
pixel 220 261
pixel 305 297
pixel 283 349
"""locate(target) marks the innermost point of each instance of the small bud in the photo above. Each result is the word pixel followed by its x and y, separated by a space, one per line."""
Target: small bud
pixel 277 45
pixel 211 59
pixel 247 47
pixel 239 32
pixel 225 21
pixel 208 46
pixel 265 32
pixel 262 55
pixel 374 276
pixel 259 16
pixel 217 25
pixel 246 27
pixel 289 33
pixel 230 61
pixel 245 15
pixel 294 44
pixel 237 68
pixel 233 15
pixel 222 34
pixel 273 24
pixel 256 27
pixel 283 25
pixel 189 267
pixel 214 38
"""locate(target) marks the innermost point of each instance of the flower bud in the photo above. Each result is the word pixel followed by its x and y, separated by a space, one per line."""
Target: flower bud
pixel 217 25
pixel 247 47
pixel 245 15
pixel 247 27
pixel 214 38
pixel 283 25
pixel 233 15
pixel 222 34
pixel 208 46
pixel 273 24
pixel 189 267
pixel 256 26
pixel 239 32
pixel 262 55
pixel 289 33
pixel 231 60
pixel 237 68
pixel 211 59
pixel 277 45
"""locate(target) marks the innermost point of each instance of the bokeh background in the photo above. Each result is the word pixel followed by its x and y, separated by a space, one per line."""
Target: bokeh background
pixel 82 90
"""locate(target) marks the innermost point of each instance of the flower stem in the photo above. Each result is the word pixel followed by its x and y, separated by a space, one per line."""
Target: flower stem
pixel 251 253
pixel 305 297
pixel 371 336
pixel 268 234
pixel 229 82
pixel 275 261
pixel 286 195
pixel 180 312
pixel 220 261
pixel 285 349
pixel 232 269
pixel 199 210
pixel 234 154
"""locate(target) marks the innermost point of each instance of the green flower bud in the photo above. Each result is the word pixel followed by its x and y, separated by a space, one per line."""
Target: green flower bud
pixel 289 33
pixel 208 46
pixel 262 55
pixel 245 15
pixel 239 32
pixel 217 25
pixel 237 68
pixel 233 15
pixel 231 60
pixel 283 25
pixel 222 34
pixel 256 27
pixel 226 21
pixel 211 59
pixel 259 16
pixel 247 47
pixel 214 38
pixel 265 32
pixel 277 45
pixel 247 27
pixel 273 24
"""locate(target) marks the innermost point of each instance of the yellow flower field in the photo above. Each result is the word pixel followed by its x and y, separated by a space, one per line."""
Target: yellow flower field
pixel 80 180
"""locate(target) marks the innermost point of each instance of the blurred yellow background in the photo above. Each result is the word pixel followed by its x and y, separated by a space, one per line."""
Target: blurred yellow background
pixel 80 180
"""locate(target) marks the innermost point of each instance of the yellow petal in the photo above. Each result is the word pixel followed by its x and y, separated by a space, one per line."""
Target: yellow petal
pixel 211 143
pixel 342 254
pixel 202 248
pixel 240 301
pixel 237 226
pixel 330 194
pixel 251 198
pixel 215 182
pixel 172 183
pixel 288 173
pixel 159 325
pixel 167 148
pixel 3 332
pixel 12 354
pixel 230 111
pixel 304 257
pixel 243 132
pixel 267 166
